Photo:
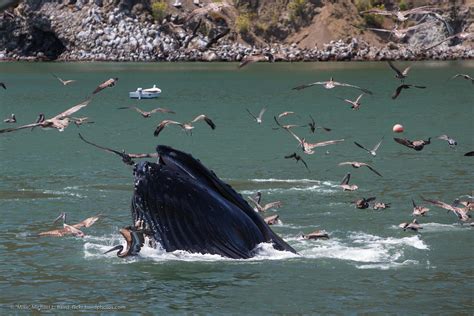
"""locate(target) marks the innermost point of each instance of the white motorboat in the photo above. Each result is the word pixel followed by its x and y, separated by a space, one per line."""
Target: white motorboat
pixel 149 93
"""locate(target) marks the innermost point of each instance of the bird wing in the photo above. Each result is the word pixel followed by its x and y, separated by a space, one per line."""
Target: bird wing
pixel 304 86
pixel 206 119
pixel 104 85
pixel 285 114
pixel 394 68
pixel 345 163
pixel 358 98
pixel 251 114
pixel 359 145
pixel 294 135
pixel 372 169
pixel 72 110
pixel 61 80
pixel 163 124
pixel 12 129
pixel 398 90
pixel 54 233
pixel 326 143
pixel 345 180
pixel 162 110
pixel 441 204
pixel 378 30
pixel 443 137
pixel 270 205
pixel 124 156
pixel 376 147
pixel 293 155
pixel 88 222
pixel 150 155
pixel 3 85
pixel 404 142
pixel 305 164
pixel 405 72
pixel 377 12
pixel 262 111
pixel 352 86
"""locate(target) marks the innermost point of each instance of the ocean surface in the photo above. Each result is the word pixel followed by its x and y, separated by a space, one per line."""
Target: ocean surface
pixel 369 265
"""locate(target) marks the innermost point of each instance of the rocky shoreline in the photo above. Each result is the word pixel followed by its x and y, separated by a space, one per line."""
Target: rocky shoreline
pixel 95 34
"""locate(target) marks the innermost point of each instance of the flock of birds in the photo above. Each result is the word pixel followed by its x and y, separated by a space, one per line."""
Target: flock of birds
pixel 460 208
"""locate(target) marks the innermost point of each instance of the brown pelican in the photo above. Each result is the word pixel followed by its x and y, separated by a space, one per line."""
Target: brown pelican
pixel 404 86
pixel 263 208
pixel 88 222
pixel 451 141
pixel 187 127
pixel 64 82
pixel 272 220
pixel 373 151
pixel 81 121
pixel 345 183
pixel 70 229
pixel 355 105
pixel 210 8
pixel 147 114
pixel 134 239
pixel 363 203
pixel 415 144
pixel 460 212
pixel 381 205
pixel 467 77
pixel 3 85
pixel 419 210
pixel 126 158
pixel 11 119
pixel 308 147
pixel 356 164
pixel 250 59
pixel 400 15
pixel 108 83
pixel 318 234
pixel 313 127
pixel 399 34
pixel 59 122
pixel 330 84
pixel 400 74
pixel 258 118
pixel 461 36
pixel 297 158
pixel 413 226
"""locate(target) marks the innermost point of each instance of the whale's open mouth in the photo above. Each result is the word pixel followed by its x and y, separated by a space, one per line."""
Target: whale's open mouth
pixel 182 205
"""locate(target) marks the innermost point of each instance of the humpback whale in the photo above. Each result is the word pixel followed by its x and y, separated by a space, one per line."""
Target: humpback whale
pixel 181 205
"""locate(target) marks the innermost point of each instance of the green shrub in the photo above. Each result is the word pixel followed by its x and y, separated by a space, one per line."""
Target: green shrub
pixel 159 10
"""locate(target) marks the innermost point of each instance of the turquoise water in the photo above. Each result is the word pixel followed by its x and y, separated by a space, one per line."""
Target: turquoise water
pixel 368 264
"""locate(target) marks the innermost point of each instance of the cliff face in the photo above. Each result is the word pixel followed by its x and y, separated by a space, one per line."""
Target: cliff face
pixel 209 30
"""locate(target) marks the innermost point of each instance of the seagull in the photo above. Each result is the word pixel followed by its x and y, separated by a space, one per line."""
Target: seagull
pixel 381 205
pixel 330 84
pixel 263 208
pixel 297 158
pixel 355 105
pixel 3 85
pixel 363 203
pixel 258 118
pixel 460 212
pixel 400 74
pixel 308 147
pixel 134 239
pixel 419 210
pixel 345 183
pixel 272 220
pixel 467 77
pixel 413 226
pixel 405 86
pixel 108 83
pixel 451 142
pixel 187 127
pixel 64 82
pixel 59 122
pixel 11 119
pixel 318 234
pixel 373 151
pixel 313 127
pixel 250 59
pixel 356 164
pixel 126 158
pixel 147 114
pixel 415 144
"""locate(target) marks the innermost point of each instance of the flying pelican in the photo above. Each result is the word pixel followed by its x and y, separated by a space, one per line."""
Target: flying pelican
pixel 400 74
pixel 373 151
pixel 419 210
pixel 64 82
pixel 126 158
pixel 187 127
pixel 11 119
pixel 263 208
pixel 355 105
pixel 318 234
pixel 460 212
pixel 2 84
pixel 272 220
pixel 415 144
pixel 108 83
pixel 356 164
pixel 59 122
pixel 413 226
pixel 451 142
pixel 70 229
pixel 88 222
pixel 213 7
pixel 258 118
pixel 147 114
pixel 381 205
pixel 467 77
pixel 363 203
pixel 400 34
pixel 308 147
pixel 134 239
pixel 405 86
pixel 345 183
pixel 400 15
pixel 297 158
pixel 313 127
pixel 330 84
pixel 250 59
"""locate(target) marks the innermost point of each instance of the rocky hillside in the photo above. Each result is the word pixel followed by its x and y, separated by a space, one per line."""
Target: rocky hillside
pixel 148 30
